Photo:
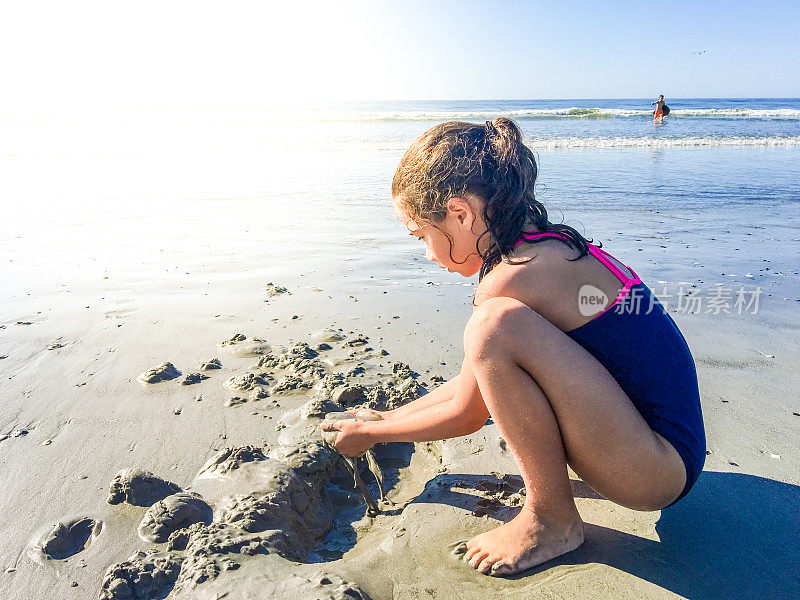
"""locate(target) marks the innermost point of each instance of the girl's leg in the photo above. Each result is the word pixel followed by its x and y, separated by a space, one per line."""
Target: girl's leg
pixel 554 403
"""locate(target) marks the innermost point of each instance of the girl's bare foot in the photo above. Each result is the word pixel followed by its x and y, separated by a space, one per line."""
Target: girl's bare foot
pixel 527 540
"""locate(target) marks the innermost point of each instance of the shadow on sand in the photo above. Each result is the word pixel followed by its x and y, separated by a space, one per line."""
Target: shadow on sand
pixel 733 536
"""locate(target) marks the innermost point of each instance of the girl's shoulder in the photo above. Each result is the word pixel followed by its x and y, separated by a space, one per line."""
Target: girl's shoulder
pixel 537 275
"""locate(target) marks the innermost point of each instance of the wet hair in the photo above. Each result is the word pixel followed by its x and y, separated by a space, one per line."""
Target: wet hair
pixel 489 161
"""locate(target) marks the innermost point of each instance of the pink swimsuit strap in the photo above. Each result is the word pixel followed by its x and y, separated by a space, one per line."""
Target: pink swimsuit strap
pixel 604 257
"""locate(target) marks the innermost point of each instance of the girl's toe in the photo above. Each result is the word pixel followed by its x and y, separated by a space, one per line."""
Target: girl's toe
pixel 486 564
pixel 470 552
pixel 477 558
pixel 501 568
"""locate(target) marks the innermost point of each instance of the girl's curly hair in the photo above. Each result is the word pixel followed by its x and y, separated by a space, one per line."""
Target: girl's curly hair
pixel 489 161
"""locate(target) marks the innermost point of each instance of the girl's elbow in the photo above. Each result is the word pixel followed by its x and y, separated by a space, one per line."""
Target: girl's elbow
pixel 468 416
pixel 474 424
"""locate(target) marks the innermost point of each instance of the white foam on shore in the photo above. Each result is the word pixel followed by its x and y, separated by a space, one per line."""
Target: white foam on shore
pixel 551 143
pixel 660 142
pixel 546 113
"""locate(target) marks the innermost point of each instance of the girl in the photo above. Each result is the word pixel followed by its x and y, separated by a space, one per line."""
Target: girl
pixel 613 395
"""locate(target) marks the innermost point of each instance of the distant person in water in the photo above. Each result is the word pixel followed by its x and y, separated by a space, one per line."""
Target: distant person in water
pixel 658 113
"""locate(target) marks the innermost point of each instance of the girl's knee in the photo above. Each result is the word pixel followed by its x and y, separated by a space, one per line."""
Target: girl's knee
pixel 492 324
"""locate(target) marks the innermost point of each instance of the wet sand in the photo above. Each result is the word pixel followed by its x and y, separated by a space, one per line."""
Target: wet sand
pixel 84 415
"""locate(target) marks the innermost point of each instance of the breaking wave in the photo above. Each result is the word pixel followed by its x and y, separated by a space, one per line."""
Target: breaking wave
pixel 659 142
pixel 553 113
pixel 548 143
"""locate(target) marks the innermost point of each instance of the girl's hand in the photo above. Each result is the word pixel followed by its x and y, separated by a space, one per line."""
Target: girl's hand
pixel 353 438
pixel 367 414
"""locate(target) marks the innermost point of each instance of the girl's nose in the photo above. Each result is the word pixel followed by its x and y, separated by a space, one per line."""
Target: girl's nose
pixel 429 254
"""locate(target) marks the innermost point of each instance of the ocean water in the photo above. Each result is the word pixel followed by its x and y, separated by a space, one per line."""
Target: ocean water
pixel 586 122
pixel 546 124
pixel 166 197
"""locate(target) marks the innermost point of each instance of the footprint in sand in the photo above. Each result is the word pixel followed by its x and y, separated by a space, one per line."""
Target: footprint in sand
pixel 64 539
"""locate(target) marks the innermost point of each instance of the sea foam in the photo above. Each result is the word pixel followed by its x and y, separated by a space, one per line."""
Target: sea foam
pixel 573 112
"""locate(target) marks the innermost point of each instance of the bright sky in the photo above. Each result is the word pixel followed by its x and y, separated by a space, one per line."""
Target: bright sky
pixel 252 54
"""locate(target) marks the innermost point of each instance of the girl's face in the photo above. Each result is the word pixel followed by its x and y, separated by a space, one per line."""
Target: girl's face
pixel 456 253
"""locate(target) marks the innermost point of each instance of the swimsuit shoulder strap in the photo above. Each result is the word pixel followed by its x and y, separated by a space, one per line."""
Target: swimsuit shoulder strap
pixel 604 257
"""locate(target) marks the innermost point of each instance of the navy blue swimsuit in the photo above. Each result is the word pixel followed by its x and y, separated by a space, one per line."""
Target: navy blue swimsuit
pixel 649 358
pixel 641 347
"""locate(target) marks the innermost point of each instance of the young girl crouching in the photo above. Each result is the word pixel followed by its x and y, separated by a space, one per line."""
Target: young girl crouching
pixel 609 390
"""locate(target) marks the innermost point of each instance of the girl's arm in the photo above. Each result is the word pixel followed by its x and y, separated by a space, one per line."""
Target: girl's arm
pixel 440 394
pixel 437 422
pixel 462 414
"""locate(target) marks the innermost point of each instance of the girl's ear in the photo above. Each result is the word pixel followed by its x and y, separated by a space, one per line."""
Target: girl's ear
pixel 462 211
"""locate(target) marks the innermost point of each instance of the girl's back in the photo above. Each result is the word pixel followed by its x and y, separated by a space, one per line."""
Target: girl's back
pixel 550 281
pixel 626 330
